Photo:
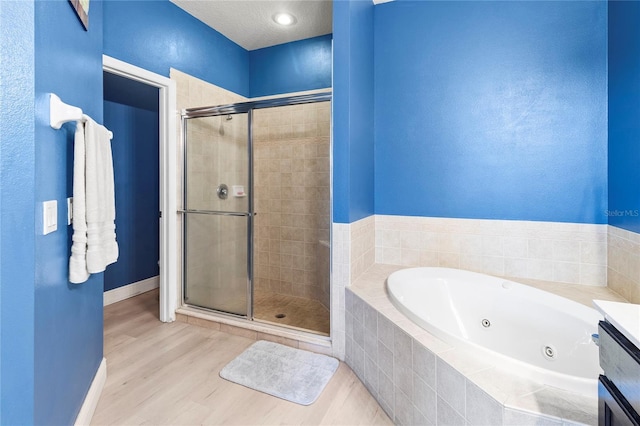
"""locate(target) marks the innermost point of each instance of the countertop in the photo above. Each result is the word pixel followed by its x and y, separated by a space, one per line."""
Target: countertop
pixel 623 316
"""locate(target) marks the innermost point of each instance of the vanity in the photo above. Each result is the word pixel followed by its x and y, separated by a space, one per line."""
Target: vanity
pixel 619 341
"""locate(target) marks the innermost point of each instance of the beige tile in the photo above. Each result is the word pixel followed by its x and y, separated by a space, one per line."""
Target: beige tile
pixel 237 331
pixel 277 339
pixel 559 403
pixel 320 349
pixel 182 318
pixel 204 323
pixel 566 272
pixel 299 312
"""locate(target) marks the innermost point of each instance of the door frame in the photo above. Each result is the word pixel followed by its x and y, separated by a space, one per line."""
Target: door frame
pixel 168 261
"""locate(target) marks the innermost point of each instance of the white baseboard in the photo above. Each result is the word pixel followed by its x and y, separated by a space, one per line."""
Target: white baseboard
pixel 91 400
pixel 130 290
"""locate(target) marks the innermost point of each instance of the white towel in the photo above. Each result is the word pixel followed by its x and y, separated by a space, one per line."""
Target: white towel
pixel 78 262
pixel 94 239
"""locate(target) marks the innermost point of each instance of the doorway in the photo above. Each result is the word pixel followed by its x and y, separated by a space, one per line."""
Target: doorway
pixel 167 263
pixel 131 112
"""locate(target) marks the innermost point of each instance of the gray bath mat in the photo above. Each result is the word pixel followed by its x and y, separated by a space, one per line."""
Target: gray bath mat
pixel 292 374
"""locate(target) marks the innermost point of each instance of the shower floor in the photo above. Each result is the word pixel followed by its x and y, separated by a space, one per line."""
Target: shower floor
pixel 298 312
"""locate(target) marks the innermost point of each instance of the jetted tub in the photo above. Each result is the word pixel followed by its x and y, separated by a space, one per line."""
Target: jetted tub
pixel 533 333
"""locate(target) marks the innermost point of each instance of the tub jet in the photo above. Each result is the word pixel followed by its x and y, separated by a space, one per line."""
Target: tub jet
pixel 549 352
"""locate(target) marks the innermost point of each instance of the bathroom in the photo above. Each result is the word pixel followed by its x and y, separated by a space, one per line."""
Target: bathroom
pixel 510 112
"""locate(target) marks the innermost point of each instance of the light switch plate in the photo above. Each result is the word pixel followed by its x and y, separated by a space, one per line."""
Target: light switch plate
pixel 49 216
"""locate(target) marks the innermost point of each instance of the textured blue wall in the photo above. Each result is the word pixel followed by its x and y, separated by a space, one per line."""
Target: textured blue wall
pixel 135 164
pixel 353 125
pixel 17 194
pixel 158 35
pixel 291 67
pixel 624 114
pixel 491 110
pixel 68 317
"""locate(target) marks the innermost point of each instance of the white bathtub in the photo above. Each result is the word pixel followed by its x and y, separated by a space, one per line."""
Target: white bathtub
pixel 535 334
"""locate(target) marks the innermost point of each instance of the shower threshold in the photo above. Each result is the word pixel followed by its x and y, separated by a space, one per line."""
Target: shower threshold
pixel 289 326
pixel 256 329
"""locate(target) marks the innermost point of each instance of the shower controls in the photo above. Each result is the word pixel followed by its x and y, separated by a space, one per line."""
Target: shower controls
pixel 223 191
pixel 238 191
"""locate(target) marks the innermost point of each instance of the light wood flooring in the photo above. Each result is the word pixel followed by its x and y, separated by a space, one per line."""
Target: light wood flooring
pixel 167 374
pixel 299 312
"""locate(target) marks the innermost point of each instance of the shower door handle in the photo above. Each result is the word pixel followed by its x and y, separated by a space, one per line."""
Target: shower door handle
pixel 219 213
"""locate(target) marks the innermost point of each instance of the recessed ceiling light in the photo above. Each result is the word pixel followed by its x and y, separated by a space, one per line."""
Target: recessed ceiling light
pixel 284 19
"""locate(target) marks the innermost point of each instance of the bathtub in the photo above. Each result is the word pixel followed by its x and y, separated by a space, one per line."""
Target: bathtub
pixel 533 333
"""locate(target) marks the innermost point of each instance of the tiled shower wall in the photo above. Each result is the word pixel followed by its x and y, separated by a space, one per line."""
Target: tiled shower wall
pixel 292 198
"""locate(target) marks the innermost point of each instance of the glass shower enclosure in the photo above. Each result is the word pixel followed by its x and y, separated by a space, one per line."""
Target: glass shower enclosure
pixel 218 204
pixel 218 214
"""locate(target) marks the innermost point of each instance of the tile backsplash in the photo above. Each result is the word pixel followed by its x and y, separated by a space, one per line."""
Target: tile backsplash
pixel 623 266
pixel 551 251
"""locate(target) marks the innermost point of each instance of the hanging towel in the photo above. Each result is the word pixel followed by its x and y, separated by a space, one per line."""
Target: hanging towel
pixel 78 262
pixel 94 239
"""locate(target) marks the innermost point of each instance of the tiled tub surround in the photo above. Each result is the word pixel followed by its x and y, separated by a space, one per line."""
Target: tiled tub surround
pixel 352 253
pixel 623 267
pixel 419 379
pixel 324 273
pixel 292 197
pixel 550 251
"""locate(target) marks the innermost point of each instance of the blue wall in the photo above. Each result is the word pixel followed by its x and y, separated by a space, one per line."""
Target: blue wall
pixel 624 114
pixel 492 110
pixel 17 218
pixel 68 317
pixel 133 119
pixel 291 67
pixel 157 35
pixel 353 125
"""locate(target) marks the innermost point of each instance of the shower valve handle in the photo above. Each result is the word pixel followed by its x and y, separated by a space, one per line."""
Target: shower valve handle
pixel 223 191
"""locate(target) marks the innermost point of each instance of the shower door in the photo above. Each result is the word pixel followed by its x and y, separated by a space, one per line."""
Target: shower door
pixel 217 211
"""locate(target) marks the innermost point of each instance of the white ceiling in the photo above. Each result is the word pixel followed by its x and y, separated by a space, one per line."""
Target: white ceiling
pixel 250 24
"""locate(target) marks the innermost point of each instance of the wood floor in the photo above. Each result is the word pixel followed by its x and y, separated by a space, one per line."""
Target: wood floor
pixel 167 374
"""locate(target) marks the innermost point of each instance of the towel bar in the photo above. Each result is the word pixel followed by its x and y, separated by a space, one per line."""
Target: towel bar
pixel 60 113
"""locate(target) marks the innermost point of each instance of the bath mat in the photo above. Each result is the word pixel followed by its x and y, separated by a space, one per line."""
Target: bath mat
pixel 288 373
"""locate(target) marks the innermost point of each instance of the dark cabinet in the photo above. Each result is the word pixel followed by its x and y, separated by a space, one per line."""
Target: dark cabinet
pixel 619 387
